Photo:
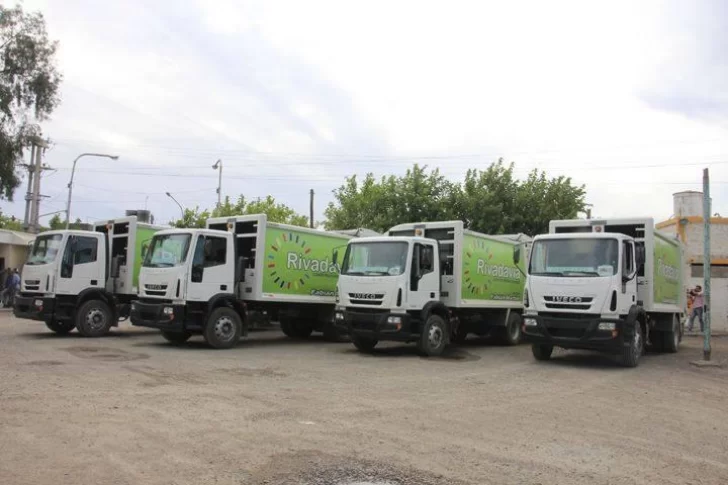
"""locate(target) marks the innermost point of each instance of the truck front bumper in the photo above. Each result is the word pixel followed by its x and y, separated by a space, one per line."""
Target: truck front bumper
pixel 383 325
pixel 160 315
pixel 34 307
pixel 577 332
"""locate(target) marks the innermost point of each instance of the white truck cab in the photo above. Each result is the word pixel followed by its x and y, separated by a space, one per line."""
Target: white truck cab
pixel 187 285
pixel 610 285
pixel 427 283
pixel 83 279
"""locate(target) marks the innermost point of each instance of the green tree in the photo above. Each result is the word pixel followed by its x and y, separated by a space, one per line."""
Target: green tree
pixel 492 201
pixel 276 212
pixel 418 195
pixel 56 223
pixel 10 223
pixel 29 83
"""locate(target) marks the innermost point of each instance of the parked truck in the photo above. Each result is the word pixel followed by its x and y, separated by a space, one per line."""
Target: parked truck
pixel 83 279
pixel 207 280
pixel 429 283
pixel 611 285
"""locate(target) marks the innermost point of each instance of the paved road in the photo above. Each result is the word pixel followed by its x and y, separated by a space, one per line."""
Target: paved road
pixel 131 409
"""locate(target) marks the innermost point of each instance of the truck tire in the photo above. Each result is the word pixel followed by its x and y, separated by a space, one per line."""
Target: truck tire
pixel 542 351
pixel 511 333
pixel 176 337
pixel 223 328
pixel 331 333
pixel 61 328
pixel 364 344
pixel 295 328
pixel 631 354
pixel 434 336
pixel 671 339
pixel 94 318
pixel 287 326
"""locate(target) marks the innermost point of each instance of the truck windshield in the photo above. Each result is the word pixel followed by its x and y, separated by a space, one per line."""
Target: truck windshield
pixel 45 249
pixel 375 259
pixel 574 257
pixel 167 250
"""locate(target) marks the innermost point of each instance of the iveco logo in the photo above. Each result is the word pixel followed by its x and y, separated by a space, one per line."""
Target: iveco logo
pixel 363 296
pixel 568 299
pixel 156 287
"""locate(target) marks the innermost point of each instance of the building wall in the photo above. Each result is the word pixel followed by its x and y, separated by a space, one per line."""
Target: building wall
pixel 692 234
pixel 14 255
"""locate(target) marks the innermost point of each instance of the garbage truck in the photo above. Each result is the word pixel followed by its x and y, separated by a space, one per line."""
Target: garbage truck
pixel 610 285
pixel 430 283
pixel 206 281
pixel 84 279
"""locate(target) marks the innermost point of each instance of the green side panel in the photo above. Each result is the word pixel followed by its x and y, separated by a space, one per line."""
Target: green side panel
pixel 489 272
pixel 299 263
pixel 143 239
pixel 667 274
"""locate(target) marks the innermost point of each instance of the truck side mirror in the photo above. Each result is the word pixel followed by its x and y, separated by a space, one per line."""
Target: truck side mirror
pixel 516 255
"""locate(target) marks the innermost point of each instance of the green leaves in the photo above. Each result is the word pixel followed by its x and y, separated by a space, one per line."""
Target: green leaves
pixel 29 83
pixel 492 201
pixel 276 212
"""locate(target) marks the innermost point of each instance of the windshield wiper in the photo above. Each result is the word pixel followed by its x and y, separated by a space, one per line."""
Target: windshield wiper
pixel 548 273
pixel 354 273
pixel 381 273
pixel 586 273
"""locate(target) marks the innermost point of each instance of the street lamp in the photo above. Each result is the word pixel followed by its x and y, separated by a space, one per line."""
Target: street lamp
pixel 70 184
pixel 218 166
pixel 180 205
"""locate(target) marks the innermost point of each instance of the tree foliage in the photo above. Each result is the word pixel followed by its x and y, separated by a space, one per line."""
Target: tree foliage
pixel 276 212
pixel 492 201
pixel 10 223
pixel 29 83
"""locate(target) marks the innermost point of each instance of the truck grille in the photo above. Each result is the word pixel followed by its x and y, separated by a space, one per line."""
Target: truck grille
pixel 568 302
pixel 373 299
pixel 155 290
pixel 32 285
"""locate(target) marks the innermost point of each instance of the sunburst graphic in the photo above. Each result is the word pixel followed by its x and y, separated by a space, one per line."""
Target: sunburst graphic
pixel 476 283
pixel 276 264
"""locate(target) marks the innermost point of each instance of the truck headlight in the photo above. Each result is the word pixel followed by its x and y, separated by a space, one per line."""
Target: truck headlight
pixel 168 310
pixel 530 322
pixel 608 326
pixel 394 320
pixel 38 303
pixel 339 316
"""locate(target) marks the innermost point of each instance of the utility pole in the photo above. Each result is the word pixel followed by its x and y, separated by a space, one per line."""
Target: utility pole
pixel 311 211
pixel 218 166
pixel 706 264
pixel 29 193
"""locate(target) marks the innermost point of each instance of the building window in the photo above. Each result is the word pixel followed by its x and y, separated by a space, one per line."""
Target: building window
pixel 716 271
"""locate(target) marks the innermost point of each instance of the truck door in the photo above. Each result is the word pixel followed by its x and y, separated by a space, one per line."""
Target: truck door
pixel 212 268
pixel 628 296
pixel 424 276
pixel 81 266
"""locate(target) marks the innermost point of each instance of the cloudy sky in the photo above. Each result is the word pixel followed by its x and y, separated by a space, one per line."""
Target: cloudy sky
pixel 628 98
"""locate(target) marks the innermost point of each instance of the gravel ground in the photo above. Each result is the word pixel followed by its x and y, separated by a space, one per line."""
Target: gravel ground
pixel 131 409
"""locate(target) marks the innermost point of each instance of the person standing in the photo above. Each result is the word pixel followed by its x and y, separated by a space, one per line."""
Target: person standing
pixel 697 311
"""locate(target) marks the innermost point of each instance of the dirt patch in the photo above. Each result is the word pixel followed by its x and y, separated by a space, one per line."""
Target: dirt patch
pixel 106 354
pixel 159 378
pixel 252 372
pixel 314 468
pixel 44 363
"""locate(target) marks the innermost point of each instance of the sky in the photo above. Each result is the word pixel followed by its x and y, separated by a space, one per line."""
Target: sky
pixel 628 98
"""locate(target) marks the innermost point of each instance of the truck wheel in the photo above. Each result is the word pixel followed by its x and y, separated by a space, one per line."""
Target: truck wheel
pixel 223 328
pixel 511 333
pixel 434 338
pixel 302 329
pixel 331 333
pixel 541 351
pixel 631 354
pixel 176 337
pixel 671 339
pixel 94 319
pixel 61 328
pixel 287 327
pixel 364 344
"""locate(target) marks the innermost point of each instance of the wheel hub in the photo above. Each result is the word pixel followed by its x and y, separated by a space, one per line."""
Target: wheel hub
pixel 224 328
pixel 435 336
pixel 96 319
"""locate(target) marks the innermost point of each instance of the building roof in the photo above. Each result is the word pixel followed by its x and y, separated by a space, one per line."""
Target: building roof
pixel 15 238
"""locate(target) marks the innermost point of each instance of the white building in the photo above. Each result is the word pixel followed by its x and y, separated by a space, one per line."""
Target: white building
pixel 687 224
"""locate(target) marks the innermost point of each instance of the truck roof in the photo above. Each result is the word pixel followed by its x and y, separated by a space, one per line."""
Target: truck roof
pixel 582 235
pixel 390 239
pixel 189 230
